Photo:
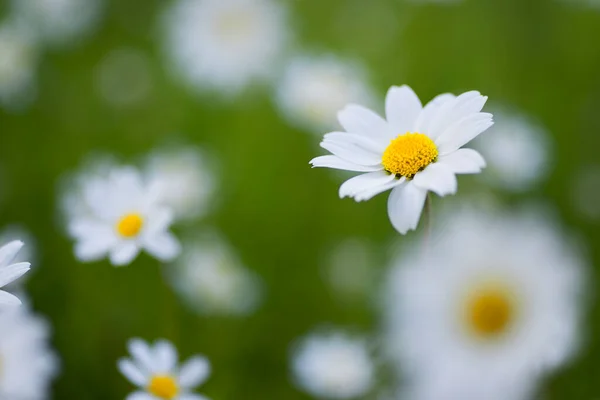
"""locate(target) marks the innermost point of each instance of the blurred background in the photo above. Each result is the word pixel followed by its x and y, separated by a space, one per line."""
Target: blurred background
pixel 248 98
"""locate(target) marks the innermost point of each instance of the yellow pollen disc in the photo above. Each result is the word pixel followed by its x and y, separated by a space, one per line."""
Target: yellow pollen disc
pixel 130 225
pixel 490 312
pixel 163 386
pixel 408 154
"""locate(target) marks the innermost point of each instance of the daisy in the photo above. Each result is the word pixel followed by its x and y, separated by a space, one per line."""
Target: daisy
pixel 517 152
pixel 155 371
pixel 183 180
pixel 485 320
pixel 416 150
pixel 313 89
pixel 59 22
pixel 10 271
pixel 119 216
pixel 224 45
pixel 333 365
pixel 211 278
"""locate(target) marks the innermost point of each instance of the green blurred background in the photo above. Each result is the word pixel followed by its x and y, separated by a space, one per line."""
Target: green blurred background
pixel 540 56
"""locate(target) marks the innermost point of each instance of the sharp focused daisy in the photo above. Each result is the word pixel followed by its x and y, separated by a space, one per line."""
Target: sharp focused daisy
pixel 333 365
pixel 122 216
pixel 492 307
pixel 413 151
pixel 212 279
pixel 10 271
pixel 313 89
pixel 154 369
pixel 225 45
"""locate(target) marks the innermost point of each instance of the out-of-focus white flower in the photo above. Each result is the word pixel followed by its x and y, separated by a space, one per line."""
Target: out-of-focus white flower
pixel 19 58
pixel 28 363
pixel 123 77
pixel 11 271
pixel 516 151
pixel 490 308
pixel 313 89
pixel 119 216
pixel 212 280
pixel 333 365
pixel 585 192
pixel 183 180
pixel 224 45
pixel 413 151
pixel 155 370
pixel 59 22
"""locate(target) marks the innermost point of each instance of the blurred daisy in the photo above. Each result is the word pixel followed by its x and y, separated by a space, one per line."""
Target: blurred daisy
pixel 313 89
pixel 183 180
pixel 484 321
pixel 224 45
pixel 59 22
pixel 18 66
pixel 10 271
pixel 333 365
pixel 416 150
pixel 28 363
pixel 155 371
pixel 123 217
pixel 212 280
pixel 516 151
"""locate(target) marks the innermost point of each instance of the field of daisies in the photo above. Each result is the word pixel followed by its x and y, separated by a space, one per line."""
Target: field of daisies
pixel 293 200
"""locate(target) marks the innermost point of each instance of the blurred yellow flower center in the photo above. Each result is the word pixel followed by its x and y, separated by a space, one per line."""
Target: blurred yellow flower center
pixel 163 386
pixel 130 225
pixel 408 154
pixel 490 312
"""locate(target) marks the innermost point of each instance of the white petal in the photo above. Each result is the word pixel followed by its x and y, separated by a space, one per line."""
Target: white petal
pixel 361 120
pixel 194 372
pixel 368 194
pixel 351 152
pixel 438 178
pixel 124 253
pixel 405 205
pixel 373 145
pixel 337 163
pixel 7 299
pixel 13 272
pixel 9 251
pixel 140 396
pixel 165 355
pixel 142 355
pixel 159 220
pixel 463 132
pixel 364 182
pixel 132 372
pixel 192 396
pixel 463 161
pixel 453 111
pixel 163 246
pixel 425 118
pixel 402 107
pixel 94 248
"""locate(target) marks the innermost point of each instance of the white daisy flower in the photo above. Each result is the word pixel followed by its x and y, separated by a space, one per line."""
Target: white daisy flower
pixel 212 280
pixel 10 271
pixel 333 365
pixel 517 152
pixel 19 58
pixel 155 371
pixel 313 89
pixel 224 45
pixel 416 150
pixel 28 363
pixel 491 307
pixel 123 217
pixel 183 180
pixel 59 22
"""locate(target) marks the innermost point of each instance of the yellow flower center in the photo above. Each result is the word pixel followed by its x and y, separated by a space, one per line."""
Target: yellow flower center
pixel 408 154
pixel 163 386
pixel 130 225
pixel 490 312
